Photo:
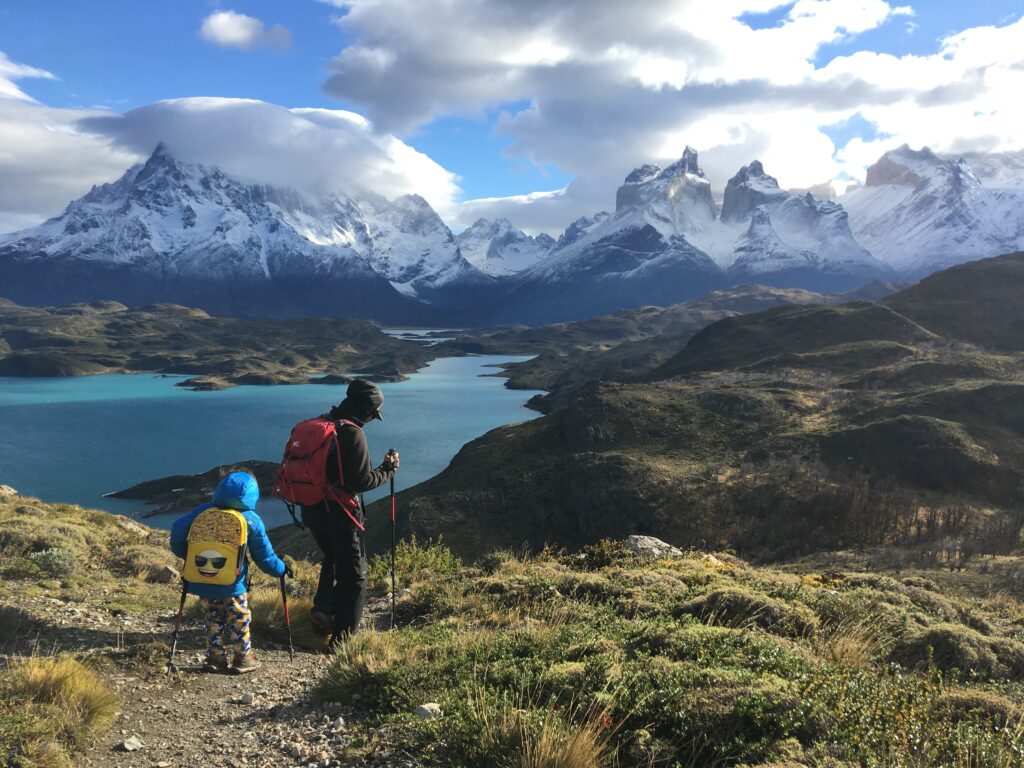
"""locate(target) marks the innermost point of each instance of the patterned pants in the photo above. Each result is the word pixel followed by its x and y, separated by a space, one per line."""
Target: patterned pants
pixel 227 625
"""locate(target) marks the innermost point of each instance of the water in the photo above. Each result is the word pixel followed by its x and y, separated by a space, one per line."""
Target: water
pixel 75 439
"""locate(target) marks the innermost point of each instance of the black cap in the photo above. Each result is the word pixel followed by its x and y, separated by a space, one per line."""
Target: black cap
pixel 366 395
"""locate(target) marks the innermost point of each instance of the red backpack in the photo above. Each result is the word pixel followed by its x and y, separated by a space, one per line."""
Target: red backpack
pixel 302 478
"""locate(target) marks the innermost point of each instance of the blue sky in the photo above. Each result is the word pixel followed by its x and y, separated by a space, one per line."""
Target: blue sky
pixel 141 52
pixel 512 98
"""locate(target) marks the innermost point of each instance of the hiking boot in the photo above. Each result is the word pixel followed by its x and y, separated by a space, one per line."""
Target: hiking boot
pixel 322 623
pixel 245 664
pixel 216 664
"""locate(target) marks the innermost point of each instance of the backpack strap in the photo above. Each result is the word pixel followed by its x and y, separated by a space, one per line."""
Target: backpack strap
pixel 341 479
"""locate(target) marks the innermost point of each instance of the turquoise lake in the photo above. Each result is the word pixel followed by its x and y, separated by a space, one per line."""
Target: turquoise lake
pixel 75 439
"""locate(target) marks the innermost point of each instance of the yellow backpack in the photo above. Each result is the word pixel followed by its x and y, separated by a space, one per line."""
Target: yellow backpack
pixel 216 547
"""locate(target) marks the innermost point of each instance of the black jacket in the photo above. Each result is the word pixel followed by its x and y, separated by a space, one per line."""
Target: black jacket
pixel 356 466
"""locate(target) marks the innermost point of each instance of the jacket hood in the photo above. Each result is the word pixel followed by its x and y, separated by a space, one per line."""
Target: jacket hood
pixel 238 490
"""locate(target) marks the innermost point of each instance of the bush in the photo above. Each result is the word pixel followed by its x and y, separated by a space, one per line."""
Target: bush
pixel 414 562
pixel 743 609
pixel 56 562
pixel 956 647
pixel 971 705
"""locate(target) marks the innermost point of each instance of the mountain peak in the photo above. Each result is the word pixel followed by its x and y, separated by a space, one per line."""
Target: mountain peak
pixel 688 164
pixel 749 188
pixel 645 172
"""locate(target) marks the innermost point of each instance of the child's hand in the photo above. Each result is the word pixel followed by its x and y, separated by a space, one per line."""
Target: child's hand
pixel 288 571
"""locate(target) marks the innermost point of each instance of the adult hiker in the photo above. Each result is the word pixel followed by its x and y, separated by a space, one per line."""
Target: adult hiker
pixel 337 523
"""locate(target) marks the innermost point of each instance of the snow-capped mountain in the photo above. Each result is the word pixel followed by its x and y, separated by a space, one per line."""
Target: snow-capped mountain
pixel 667 242
pixel 921 212
pixel 640 254
pixel 170 231
pixel 497 248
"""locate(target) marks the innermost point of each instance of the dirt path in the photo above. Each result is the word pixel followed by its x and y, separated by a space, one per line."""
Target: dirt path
pixel 199 720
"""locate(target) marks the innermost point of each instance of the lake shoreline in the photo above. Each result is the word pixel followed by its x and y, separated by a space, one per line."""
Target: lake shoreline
pixel 115 432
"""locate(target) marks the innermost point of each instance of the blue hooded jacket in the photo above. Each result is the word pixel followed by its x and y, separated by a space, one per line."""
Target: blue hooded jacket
pixel 237 491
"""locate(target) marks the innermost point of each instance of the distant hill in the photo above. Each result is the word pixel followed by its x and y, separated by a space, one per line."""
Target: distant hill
pixel 107 337
pixel 981 302
pixel 776 433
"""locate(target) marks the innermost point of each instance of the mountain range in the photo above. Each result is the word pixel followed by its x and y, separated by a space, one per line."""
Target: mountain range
pixel 170 231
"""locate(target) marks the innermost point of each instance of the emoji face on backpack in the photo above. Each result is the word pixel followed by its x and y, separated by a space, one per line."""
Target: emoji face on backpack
pixel 209 562
pixel 216 547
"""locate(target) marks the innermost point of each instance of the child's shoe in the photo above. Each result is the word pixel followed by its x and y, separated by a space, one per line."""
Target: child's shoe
pixel 217 663
pixel 245 664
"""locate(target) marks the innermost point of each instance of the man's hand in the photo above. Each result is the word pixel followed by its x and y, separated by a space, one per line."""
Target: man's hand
pixel 391 460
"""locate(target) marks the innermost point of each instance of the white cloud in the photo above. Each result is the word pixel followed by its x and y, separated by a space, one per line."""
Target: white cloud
pixel 236 30
pixel 608 85
pixel 45 161
pixel 11 71
pixel 50 156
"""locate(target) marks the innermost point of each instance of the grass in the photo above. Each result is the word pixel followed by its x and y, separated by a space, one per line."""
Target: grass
pixel 604 657
pixel 51 707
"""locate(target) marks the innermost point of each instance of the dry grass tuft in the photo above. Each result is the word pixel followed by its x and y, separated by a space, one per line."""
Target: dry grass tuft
pixel 84 704
pixel 857 642
pixel 539 738
pixel 48 706
pixel 268 618
pixel 358 658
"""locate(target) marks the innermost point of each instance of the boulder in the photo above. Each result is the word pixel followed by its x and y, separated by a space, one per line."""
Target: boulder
pixel 164 575
pixel 648 546
pixel 7 492
pixel 431 711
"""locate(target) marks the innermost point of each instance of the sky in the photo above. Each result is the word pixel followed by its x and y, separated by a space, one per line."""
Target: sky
pixel 534 110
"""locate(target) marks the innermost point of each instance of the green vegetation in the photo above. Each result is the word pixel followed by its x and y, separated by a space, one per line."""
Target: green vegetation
pixel 777 434
pixel 81 556
pixel 605 658
pixel 50 707
pixel 107 337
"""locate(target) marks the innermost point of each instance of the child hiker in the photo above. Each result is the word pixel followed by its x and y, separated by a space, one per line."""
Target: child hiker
pixel 214 539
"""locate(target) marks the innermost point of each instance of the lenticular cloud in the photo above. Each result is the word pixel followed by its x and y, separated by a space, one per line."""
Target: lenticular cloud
pixel 312 149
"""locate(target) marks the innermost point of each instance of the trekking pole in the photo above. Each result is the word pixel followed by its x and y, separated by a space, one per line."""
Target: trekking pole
pixel 287 620
pixel 177 628
pixel 392 452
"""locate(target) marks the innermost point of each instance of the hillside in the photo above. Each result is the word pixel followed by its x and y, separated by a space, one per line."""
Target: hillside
pixel 107 337
pixel 628 341
pixel 950 304
pixel 605 657
pixel 777 433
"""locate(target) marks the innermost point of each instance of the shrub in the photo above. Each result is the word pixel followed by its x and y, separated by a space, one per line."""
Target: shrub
pixel 56 562
pixel 965 704
pixel 956 647
pixel 602 554
pixel 413 562
pixel 743 609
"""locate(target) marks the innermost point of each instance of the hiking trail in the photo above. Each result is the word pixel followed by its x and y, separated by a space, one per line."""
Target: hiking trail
pixel 192 718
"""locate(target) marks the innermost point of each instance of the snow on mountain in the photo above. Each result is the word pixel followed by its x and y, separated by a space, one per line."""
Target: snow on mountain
pixel 412 247
pixel 921 212
pixel 499 249
pixel 170 231
pixel 750 188
pixel 760 250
